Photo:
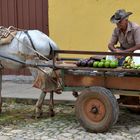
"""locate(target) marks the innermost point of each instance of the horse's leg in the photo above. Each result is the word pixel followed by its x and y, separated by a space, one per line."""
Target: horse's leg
pixel 0 90
pixel 51 105
pixel 38 109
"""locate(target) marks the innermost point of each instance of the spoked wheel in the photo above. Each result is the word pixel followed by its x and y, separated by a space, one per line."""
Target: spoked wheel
pixel 97 109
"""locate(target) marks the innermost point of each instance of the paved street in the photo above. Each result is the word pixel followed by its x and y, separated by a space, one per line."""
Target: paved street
pixel 17 120
pixel 17 123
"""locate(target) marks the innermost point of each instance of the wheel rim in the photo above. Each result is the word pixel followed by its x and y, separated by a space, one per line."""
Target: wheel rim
pixel 94 110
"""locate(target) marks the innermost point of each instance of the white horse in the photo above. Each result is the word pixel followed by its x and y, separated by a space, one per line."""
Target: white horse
pixel 27 46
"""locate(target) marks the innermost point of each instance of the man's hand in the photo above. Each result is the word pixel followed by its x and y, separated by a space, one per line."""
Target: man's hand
pixel 118 51
pixel 112 48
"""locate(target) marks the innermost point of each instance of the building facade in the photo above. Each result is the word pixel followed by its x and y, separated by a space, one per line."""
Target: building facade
pixel 73 25
pixel 85 24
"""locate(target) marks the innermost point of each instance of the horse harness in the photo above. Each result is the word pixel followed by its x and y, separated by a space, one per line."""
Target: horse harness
pixel 7 34
pixel 26 32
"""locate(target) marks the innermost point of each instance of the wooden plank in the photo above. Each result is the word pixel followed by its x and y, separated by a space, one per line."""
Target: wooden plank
pixel 39 15
pixel 4 13
pixel 32 14
pixel 11 13
pixel 128 83
pixel 26 16
pixel 125 83
pixel 126 92
pixel 45 17
pixel 130 106
pixel 96 53
pixel 0 12
pixel 77 80
pixel 74 67
pixel 19 13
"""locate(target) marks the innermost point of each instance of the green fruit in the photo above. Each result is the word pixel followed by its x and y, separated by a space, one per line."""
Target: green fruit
pixel 135 67
pixel 127 58
pixel 107 64
pixel 103 60
pixel 108 60
pixel 113 64
pixel 132 65
pixel 116 61
pixel 128 67
pixel 129 61
pixel 95 64
pixel 138 65
pixel 100 64
pixel 125 64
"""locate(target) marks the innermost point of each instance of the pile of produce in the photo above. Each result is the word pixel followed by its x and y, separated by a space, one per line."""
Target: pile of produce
pixel 97 63
pixel 130 64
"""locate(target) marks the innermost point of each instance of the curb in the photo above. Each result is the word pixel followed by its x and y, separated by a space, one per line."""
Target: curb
pixel 33 101
pixel 18 79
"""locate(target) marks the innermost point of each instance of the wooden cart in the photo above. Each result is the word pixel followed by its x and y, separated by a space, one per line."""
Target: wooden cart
pixel 96 89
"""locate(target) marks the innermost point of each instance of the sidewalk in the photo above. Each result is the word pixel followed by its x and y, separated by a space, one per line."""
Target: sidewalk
pixel 20 88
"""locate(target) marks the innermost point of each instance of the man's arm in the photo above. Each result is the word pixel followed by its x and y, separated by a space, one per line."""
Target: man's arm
pixel 113 41
pixel 137 47
pixel 112 48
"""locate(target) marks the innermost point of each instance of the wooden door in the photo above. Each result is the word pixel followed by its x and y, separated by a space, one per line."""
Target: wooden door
pixel 24 14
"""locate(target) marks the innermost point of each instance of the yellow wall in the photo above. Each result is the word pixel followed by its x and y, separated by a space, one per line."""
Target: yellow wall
pixel 84 24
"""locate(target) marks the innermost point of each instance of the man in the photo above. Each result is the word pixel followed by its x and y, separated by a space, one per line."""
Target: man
pixel 126 33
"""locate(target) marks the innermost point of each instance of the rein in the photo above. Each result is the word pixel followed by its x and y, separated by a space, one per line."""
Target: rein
pixel 26 32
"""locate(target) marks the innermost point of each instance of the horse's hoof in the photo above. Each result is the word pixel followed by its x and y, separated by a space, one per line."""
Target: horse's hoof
pixel 51 113
pixel 38 113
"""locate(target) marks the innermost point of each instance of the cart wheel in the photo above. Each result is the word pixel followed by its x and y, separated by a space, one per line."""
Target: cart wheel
pixel 97 109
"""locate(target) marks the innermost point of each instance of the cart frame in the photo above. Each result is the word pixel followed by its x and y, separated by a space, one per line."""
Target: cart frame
pixel 96 100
